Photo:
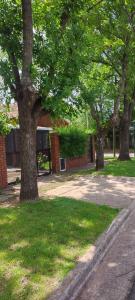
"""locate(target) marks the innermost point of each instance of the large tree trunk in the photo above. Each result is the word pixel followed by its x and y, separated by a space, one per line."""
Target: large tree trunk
pixel 124 140
pixel 26 105
pixel 99 150
pixel 28 127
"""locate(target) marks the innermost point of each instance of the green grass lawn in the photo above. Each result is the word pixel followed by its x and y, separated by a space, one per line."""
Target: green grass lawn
pixel 120 168
pixel 41 242
pixel 114 167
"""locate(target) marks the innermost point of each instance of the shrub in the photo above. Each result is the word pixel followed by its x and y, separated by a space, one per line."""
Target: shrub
pixel 42 160
pixel 73 142
pixel 4 124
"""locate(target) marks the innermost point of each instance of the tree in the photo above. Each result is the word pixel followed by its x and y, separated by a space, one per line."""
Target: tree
pixel 115 34
pixel 84 120
pixel 43 44
pixel 98 92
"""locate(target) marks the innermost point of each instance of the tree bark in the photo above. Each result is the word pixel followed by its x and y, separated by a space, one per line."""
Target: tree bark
pixel 27 41
pixel 124 129
pixel 28 128
pixel 124 140
pixel 127 111
pixel 99 150
pixel 26 98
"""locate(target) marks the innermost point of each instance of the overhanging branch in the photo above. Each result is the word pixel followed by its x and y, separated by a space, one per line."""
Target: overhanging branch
pixel 111 63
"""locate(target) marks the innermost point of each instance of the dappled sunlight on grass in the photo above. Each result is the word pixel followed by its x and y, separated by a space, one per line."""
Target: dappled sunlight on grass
pixel 113 167
pixel 120 168
pixel 41 242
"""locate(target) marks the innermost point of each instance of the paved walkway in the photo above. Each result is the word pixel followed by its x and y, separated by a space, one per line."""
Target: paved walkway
pixel 115 276
pixel 14 174
pixel 114 191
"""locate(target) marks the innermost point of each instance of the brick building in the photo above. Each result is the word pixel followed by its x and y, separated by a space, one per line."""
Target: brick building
pixel 57 163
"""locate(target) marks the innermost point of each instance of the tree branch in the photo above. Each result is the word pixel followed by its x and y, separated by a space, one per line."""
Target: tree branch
pixel 95 114
pixel 27 40
pixel 100 61
pixel 94 5
pixel 107 63
pixel 38 109
pixel 111 63
pixel 66 13
pixel 15 69
pixel 64 19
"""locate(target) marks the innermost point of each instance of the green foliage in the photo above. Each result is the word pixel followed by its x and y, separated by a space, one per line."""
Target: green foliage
pixel 114 38
pixel 73 142
pixel 109 75
pixel 84 121
pixel 42 160
pixel 59 50
pixel 4 124
pixel 41 242
pixel 98 91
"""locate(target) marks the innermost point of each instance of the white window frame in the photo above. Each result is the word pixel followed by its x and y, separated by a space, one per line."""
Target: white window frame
pixel 60 164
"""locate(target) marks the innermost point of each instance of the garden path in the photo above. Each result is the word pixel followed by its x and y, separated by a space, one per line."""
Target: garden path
pixel 114 191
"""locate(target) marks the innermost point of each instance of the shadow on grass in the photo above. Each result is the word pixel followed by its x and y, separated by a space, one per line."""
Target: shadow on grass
pixel 120 168
pixel 41 242
pixel 113 167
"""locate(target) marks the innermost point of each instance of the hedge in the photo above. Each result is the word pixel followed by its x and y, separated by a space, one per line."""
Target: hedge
pixel 73 142
pixel 4 124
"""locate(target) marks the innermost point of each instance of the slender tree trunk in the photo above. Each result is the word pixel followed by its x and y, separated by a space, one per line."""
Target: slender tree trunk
pixel 99 150
pixel 28 127
pixel 127 110
pixel 124 130
pixel 124 140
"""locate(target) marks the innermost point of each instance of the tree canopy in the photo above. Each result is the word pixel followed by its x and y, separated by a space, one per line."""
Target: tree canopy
pixel 59 49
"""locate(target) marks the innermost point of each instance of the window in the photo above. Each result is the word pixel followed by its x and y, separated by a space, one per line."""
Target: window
pixel 62 164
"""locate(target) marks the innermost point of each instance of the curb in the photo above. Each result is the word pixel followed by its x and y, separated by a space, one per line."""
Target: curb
pixel 75 281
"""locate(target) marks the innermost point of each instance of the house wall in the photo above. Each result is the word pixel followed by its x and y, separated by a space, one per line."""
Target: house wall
pixel 3 166
pixel 46 121
pixel 76 162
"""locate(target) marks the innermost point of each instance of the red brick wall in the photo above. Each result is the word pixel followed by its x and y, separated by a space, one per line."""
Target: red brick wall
pixel 46 121
pixel 77 162
pixel 3 166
